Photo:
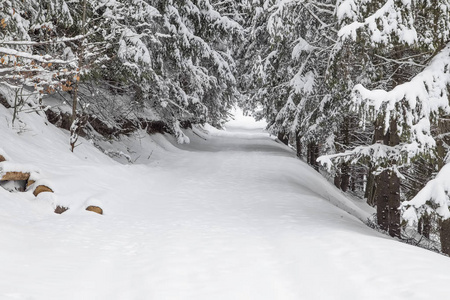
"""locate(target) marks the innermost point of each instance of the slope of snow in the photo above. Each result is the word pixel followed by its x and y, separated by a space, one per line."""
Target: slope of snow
pixel 234 215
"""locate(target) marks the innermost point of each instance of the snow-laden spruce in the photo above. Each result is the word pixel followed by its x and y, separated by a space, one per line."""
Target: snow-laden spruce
pixel 392 18
pixel 287 79
pixel 415 105
pixel 390 63
pixel 172 57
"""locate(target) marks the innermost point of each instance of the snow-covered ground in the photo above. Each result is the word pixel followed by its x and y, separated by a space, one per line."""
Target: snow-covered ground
pixel 233 215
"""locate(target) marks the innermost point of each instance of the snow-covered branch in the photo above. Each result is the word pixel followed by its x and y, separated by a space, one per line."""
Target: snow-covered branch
pixel 40 58
pixel 386 21
pixel 415 104
pixel 31 43
pixel 433 197
pixel 370 153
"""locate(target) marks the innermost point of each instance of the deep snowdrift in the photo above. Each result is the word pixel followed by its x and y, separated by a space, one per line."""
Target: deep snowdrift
pixel 233 215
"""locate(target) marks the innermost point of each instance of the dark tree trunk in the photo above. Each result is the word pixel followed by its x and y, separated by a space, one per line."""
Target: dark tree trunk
pixel 427 228
pixel 313 155
pixel 316 156
pixel 284 138
pixel 442 143
pixel 394 205
pixel 355 179
pixel 387 186
pixel 445 236
pixel 420 226
pixel 343 141
pixel 387 197
pixel 298 144
pixel 394 187
pixel 345 177
pixel 371 187
pixel 371 199
pixel 424 226
pixel 337 181
pixel 382 199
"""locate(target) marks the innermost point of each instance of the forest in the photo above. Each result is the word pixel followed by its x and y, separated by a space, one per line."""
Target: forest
pixel 359 88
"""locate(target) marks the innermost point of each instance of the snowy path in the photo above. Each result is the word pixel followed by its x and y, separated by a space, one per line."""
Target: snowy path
pixel 234 217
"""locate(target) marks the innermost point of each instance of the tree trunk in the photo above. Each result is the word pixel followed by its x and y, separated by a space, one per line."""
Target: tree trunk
pixel 337 180
pixel 316 156
pixel 80 65
pixel 284 138
pixel 394 205
pixel 424 226
pixel 298 144
pixel 381 198
pixel 370 188
pixel 313 155
pixel 345 177
pixel 387 197
pixel 74 102
pixel 445 236
pixel 441 145
pixel 371 185
pixel 387 186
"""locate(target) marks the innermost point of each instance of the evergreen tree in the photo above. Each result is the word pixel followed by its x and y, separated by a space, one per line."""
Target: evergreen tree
pixel 33 49
pixel 406 97
pixel 289 49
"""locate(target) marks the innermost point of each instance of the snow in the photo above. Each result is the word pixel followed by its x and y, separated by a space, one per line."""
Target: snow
pixel 241 121
pixel 302 45
pixel 421 100
pixel 433 197
pixel 232 215
pixel 303 82
pixel 8 166
pixel 425 96
pixel 31 43
pixel 132 47
pixel 392 18
pixel 346 9
pixel 40 58
pixel 5 156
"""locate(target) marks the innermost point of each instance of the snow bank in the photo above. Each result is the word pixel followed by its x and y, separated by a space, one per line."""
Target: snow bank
pixel 9 166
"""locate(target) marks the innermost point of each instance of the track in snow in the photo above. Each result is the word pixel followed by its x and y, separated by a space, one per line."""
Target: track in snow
pixel 233 217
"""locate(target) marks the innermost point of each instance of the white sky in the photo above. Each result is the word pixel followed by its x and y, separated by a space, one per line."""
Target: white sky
pixel 245 122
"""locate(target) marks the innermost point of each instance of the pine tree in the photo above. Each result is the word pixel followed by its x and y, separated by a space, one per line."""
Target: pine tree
pixel 287 78
pixel 32 49
pixel 406 97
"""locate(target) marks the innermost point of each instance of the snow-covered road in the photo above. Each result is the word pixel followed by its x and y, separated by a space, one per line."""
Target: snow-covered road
pixel 235 216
